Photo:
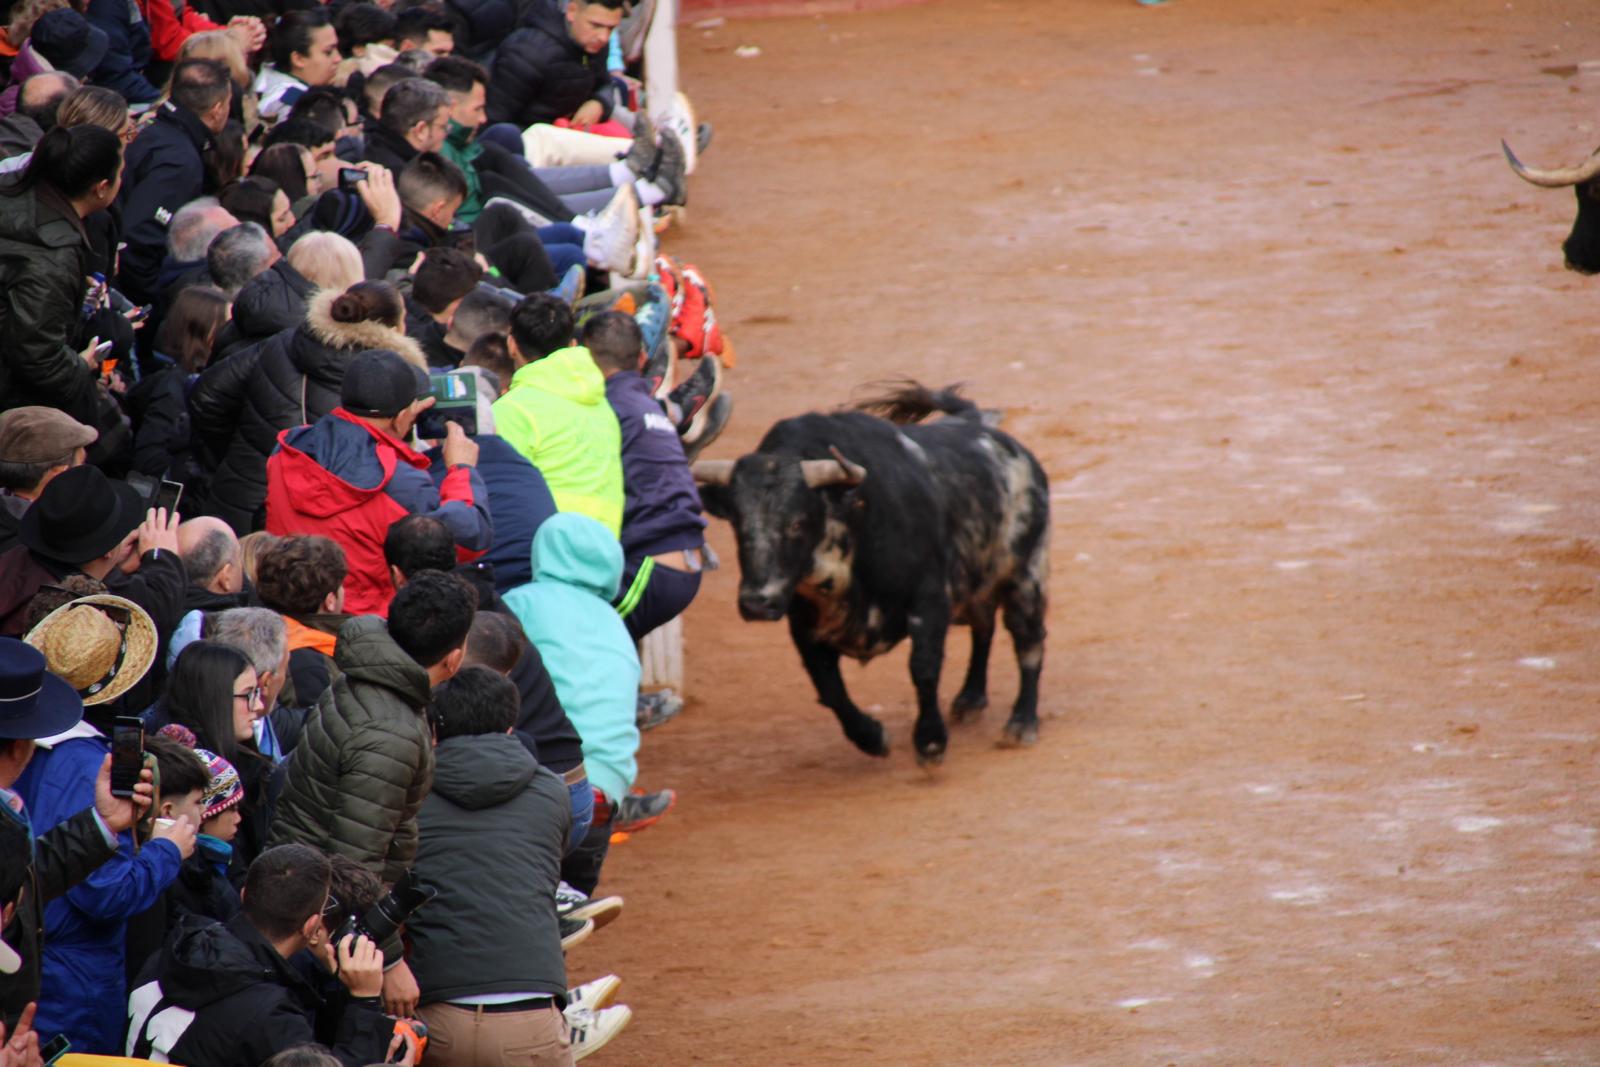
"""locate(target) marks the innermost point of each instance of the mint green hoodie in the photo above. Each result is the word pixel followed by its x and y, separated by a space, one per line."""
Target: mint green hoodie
pixel 556 414
pixel 567 613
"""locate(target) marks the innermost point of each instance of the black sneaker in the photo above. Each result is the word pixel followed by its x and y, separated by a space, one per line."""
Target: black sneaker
pixel 643 156
pixel 716 421
pixel 671 170
pixel 659 707
pixel 695 395
pixel 636 811
pixel 574 931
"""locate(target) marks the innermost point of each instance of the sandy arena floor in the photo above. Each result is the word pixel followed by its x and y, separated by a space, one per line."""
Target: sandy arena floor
pixel 1317 780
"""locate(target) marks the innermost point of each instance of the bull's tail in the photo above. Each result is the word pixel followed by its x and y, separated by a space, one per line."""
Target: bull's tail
pixel 908 401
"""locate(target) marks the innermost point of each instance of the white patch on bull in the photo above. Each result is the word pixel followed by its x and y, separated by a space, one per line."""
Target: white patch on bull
pixel 913 448
pixel 828 582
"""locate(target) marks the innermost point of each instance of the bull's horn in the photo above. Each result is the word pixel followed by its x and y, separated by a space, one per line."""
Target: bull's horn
pixel 712 471
pixel 1553 179
pixel 835 471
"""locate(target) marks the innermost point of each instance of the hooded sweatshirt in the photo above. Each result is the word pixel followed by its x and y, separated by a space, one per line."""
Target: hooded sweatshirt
pixel 219 995
pixel 343 478
pixel 566 611
pixel 489 798
pixel 555 414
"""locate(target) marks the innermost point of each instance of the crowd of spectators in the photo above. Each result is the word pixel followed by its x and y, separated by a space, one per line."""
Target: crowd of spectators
pixel 347 403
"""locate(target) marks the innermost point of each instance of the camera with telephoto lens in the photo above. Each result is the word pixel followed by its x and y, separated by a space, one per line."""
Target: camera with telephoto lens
pixel 391 911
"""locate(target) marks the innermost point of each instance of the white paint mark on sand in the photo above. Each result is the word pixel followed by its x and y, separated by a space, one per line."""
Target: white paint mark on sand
pixel 1292 564
pixel 1538 663
pixel 1139 1002
pixel 1476 824
pixel 1152 944
pixel 1311 894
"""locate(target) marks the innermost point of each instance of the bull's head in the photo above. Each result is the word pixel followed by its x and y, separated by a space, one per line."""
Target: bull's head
pixel 780 515
pixel 1582 246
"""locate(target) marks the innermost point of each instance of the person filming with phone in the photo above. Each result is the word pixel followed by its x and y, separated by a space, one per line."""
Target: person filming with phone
pixel 351 474
pixel 227 995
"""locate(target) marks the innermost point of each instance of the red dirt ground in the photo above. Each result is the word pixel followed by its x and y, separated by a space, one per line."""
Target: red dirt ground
pixel 1317 777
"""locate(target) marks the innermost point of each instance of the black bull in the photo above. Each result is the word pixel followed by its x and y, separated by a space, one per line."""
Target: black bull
pixel 1582 246
pixel 866 530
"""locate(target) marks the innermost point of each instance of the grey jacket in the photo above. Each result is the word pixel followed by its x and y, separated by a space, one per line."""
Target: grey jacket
pixel 492 836
pixel 365 756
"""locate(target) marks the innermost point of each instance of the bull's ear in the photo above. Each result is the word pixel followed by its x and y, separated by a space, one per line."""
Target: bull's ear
pixel 716 500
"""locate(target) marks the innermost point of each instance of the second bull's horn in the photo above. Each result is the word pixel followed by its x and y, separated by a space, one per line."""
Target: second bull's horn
pixel 712 471
pixel 835 471
pixel 1553 179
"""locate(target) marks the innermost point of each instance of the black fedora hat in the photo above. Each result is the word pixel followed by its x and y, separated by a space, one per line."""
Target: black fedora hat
pixel 80 516
pixel 33 702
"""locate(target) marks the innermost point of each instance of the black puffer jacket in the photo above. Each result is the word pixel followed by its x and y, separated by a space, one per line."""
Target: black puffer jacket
pixel 271 302
pixel 43 269
pixel 240 404
pixel 540 74
pixel 240 1003
pixel 365 757
pixel 481 25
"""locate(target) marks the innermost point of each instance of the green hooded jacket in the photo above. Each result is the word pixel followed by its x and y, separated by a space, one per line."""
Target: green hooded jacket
pixel 556 414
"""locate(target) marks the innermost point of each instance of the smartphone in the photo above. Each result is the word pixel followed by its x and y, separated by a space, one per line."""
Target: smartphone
pixel 462 238
pixel 349 176
pixel 146 486
pixel 54 1049
pixel 102 348
pixel 127 755
pixel 167 496
pixel 455 399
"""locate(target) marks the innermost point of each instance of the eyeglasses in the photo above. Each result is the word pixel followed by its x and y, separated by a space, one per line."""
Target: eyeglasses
pixel 250 696
pixel 330 906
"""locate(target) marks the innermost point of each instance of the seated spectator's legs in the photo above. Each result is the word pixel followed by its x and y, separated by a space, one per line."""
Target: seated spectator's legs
pixel 582 794
pixel 523 263
pixel 661 59
pixel 461 1035
pixel 504 174
pixel 666 592
pixel 552 146
pixel 581 867
pixel 588 178
pixel 503 135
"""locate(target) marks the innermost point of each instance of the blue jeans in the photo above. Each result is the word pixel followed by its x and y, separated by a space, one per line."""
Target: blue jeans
pixel 582 794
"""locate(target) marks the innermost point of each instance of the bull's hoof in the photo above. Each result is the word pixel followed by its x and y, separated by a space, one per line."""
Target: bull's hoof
pixel 930 758
pixel 1019 735
pixel 968 707
pixel 874 742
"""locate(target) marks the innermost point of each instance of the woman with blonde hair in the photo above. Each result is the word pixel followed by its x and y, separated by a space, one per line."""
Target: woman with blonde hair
pixel 95 105
pixel 275 300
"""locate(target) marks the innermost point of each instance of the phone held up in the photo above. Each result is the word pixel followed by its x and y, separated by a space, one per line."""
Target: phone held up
pixel 455 399
pixel 127 755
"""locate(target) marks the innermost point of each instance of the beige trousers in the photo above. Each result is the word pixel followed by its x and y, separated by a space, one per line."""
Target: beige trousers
pixel 460 1036
pixel 552 146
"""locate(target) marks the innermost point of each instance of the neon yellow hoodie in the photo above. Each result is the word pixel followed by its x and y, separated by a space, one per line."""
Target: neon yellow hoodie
pixel 556 415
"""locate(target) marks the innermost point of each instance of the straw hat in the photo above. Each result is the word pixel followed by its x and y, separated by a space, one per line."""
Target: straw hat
pixel 100 645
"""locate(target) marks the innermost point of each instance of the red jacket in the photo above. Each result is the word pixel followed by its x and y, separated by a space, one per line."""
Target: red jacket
pixel 348 481
pixel 168 29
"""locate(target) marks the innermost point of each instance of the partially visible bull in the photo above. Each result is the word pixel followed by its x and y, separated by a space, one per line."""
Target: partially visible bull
pixel 865 530
pixel 1582 246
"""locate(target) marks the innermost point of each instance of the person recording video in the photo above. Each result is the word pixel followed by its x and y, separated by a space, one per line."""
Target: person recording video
pixel 226 995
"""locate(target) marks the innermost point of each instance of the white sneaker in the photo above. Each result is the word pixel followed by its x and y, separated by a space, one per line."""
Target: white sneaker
pixel 592 996
pixel 612 234
pixel 592 1031
pixel 642 259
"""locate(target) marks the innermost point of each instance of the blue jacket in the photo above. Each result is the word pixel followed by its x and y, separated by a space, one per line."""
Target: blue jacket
pixel 122 69
pixel 163 171
pixel 519 500
pixel 566 611
pixel 84 993
pixel 661 512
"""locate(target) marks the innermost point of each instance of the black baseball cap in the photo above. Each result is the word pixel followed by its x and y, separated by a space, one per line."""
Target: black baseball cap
pixel 380 384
